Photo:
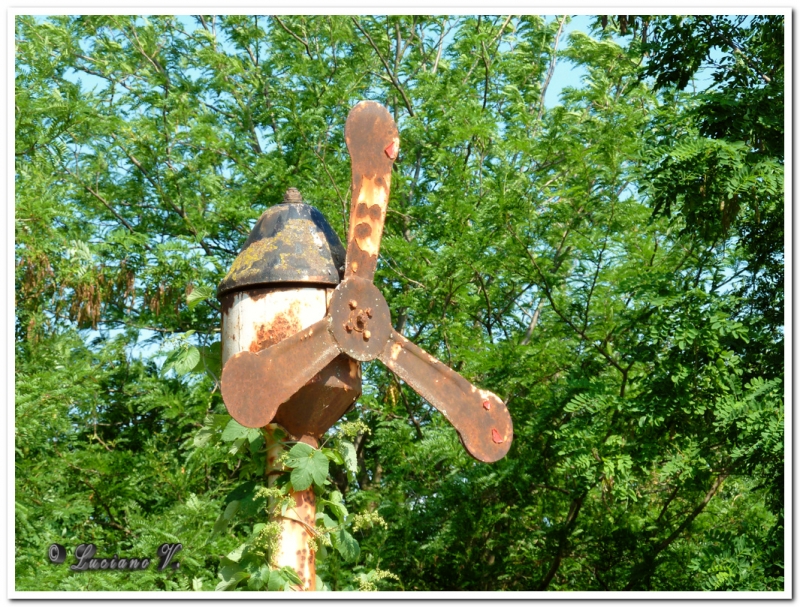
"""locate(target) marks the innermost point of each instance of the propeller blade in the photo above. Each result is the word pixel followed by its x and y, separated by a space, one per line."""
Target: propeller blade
pixel 373 142
pixel 480 417
pixel 255 384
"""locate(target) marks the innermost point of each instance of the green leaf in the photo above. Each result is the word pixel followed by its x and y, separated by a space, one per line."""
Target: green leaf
pixel 219 526
pixel 210 360
pixel 230 510
pixel 345 544
pixel 333 456
pixel 186 360
pixel 197 295
pixel 234 431
pixel 336 504
pixel 297 452
pixel 301 478
pixel 338 509
pixel 291 575
pixel 233 581
pixel 237 445
pixel 259 578
pixel 236 554
pixel 231 574
pixel 328 522
pixel 308 466
pixel 212 426
pixel 276 580
pixel 321 586
pixel 348 451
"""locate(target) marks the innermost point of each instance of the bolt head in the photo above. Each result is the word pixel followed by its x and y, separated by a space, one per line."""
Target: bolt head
pixel 367 335
pixel 353 304
pixel 487 405
pixel 369 312
pixel 292 195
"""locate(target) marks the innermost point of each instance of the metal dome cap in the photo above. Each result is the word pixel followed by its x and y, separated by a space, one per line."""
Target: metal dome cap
pixel 291 243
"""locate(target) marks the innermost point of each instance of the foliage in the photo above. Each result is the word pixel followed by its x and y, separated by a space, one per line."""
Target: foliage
pixel 250 566
pixel 612 266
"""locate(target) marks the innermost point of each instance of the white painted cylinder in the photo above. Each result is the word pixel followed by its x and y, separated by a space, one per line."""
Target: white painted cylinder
pixel 254 320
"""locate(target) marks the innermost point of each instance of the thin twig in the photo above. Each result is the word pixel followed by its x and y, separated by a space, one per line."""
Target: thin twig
pixel 550 70
pixel 392 77
pixel 293 35
pixel 475 63
pixel 534 321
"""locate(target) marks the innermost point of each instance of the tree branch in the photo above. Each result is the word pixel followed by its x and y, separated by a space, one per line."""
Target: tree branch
pixel 475 63
pixel 392 77
pixel 648 565
pixel 407 406
pixel 563 317
pixel 550 70
pixel 574 510
pixel 532 326
pixel 293 35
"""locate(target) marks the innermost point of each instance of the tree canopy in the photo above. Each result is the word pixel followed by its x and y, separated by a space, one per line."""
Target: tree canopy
pixel 612 266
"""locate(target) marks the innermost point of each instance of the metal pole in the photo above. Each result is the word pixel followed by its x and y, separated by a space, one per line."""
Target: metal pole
pixel 297 524
pixel 254 320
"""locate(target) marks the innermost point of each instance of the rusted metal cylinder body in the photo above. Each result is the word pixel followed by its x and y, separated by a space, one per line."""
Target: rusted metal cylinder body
pixel 256 319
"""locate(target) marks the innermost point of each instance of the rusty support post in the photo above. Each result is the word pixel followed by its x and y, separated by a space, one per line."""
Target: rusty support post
pixel 297 524
pixel 252 321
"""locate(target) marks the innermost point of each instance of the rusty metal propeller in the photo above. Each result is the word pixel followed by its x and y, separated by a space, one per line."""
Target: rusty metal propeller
pixel 358 323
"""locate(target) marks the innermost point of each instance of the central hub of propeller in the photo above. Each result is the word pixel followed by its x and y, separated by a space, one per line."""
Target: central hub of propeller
pixel 360 319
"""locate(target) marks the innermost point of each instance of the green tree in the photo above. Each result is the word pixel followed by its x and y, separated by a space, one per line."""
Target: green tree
pixel 612 266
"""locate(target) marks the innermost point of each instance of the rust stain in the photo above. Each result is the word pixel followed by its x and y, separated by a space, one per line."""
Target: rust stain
pixel 257 294
pixel 281 327
pixel 226 302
